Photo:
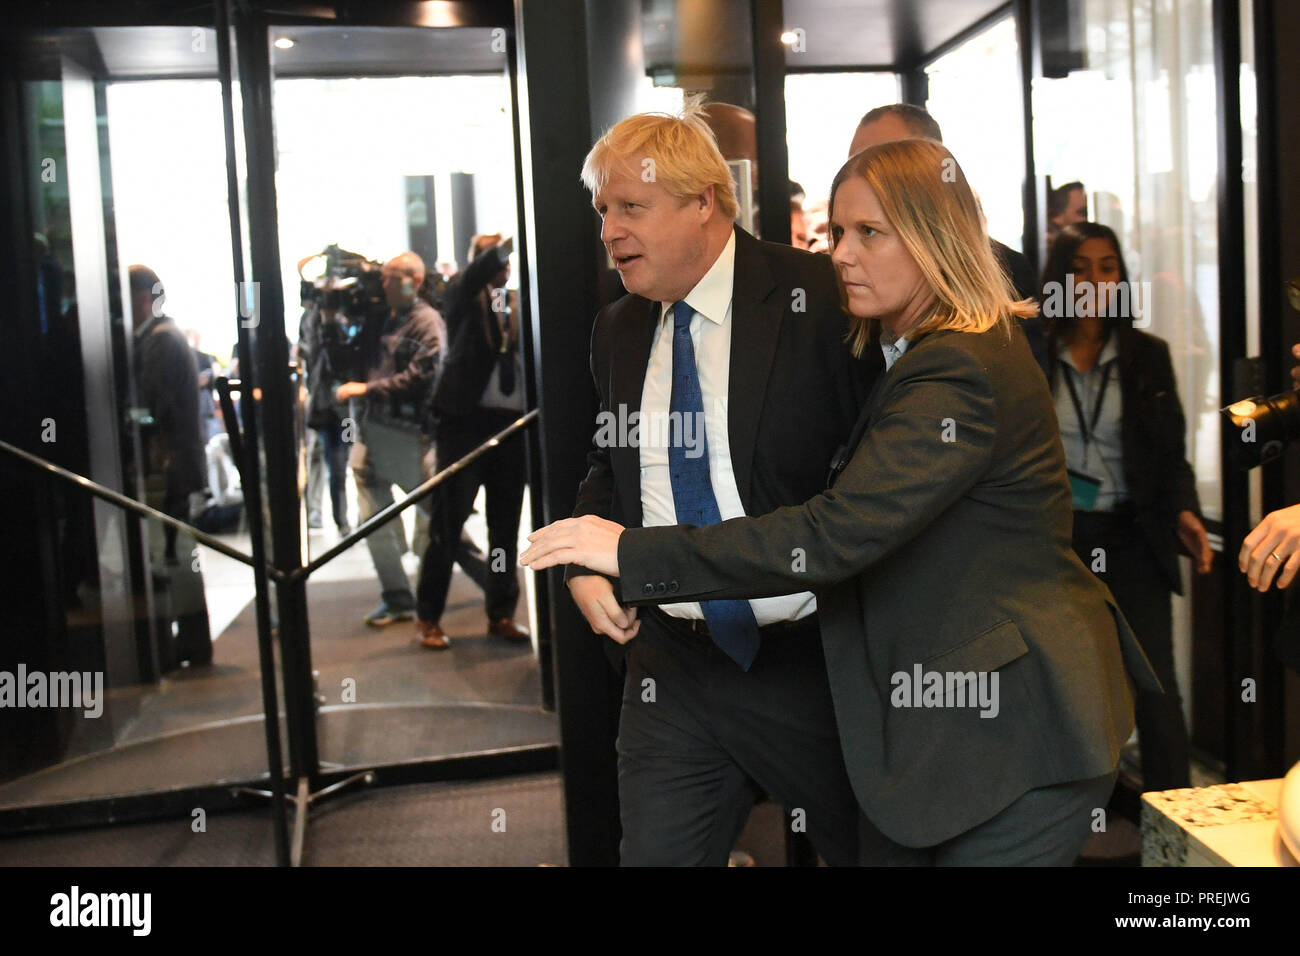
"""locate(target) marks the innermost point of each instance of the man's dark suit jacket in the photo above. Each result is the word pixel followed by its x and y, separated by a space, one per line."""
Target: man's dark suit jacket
pixel 1019 271
pixel 795 389
pixel 945 543
pixel 1152 428
pixel 167 383
pixel 474 339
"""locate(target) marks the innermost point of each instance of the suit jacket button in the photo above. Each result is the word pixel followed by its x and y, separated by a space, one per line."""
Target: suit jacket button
pixel 672 587
pixel 648 589
pixel 663 588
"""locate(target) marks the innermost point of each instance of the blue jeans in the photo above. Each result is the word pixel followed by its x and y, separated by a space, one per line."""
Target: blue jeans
pixel 331 447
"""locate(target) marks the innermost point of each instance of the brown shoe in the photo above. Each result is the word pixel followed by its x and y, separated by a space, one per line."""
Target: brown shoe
pixel 431 636
pixel 508 629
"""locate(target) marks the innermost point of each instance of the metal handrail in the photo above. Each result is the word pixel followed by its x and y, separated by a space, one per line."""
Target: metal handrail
pixel 364 530
pixel 130 504
pixel 387 514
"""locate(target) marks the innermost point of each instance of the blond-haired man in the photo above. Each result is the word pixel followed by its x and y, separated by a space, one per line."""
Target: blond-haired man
pixel 736 347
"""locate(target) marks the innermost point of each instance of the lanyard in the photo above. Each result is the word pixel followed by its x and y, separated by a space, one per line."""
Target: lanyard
pixel 1087 430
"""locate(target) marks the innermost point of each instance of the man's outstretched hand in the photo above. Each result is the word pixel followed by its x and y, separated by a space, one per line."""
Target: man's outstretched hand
pixel 1273 547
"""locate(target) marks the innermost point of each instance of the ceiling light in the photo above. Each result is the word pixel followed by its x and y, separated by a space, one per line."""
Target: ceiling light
pixel 284 43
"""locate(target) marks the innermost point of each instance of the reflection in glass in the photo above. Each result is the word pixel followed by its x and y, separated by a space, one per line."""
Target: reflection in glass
pixel 975 95
pixel 1136 126
pixel 1149 171
pixel 383 183
pixel 136 177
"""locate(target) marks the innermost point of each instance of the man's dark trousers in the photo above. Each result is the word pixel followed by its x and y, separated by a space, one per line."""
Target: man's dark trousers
pixel 700 740
pixel 502 473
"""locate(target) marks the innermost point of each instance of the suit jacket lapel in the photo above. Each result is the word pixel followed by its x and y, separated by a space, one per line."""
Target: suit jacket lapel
pixel 864 417
pixel 755 325
pixel 627 374
pixel 875 360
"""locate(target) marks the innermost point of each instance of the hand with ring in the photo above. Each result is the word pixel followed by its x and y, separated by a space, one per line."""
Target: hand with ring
pixel 1272 549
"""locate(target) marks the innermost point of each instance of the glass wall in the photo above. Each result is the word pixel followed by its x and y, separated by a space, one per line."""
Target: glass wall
pixel 134 249
pixel 376 152
pixel 822 111
pixel 1136 126
pixel 381 155
pixel 976 96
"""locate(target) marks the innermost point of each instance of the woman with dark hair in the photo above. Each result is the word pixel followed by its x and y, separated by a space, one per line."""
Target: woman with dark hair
pixel 977 669
pixel 1133 490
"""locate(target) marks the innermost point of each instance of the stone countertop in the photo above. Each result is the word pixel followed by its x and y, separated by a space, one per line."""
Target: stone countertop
pixel 1231 824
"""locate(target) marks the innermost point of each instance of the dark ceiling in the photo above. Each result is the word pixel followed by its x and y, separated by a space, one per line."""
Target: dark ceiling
pixel 878 32
pixel 678 36
pixel 856 34
pixel 125 53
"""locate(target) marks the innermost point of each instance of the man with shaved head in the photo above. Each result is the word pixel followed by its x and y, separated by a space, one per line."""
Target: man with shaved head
pixel 167 386
pixel 885 124
pixel 400 361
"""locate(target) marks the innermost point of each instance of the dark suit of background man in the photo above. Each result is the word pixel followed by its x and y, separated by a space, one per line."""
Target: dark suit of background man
pixel 479 392
pixel 167 385
pixel 758 330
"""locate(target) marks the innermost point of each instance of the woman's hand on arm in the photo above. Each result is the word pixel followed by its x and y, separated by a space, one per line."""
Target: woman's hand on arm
pixel 930 442
pixel 589 541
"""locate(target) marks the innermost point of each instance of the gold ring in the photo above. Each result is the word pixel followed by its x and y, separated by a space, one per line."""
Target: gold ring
pixel 1274 556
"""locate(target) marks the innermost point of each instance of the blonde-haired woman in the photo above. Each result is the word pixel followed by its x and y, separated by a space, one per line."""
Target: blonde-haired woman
pixel 977 667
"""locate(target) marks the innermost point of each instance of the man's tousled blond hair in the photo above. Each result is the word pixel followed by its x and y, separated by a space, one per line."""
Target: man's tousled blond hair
pixel 924 195
pixel 683 150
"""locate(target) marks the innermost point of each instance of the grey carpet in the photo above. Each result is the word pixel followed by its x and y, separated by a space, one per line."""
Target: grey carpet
pixel 204 726
pixel 440 824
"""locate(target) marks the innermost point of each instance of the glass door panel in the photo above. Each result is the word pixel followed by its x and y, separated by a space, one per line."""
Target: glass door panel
pixel 150 662
pixel 394 150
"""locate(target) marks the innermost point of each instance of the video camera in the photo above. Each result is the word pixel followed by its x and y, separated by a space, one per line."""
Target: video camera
pixel 351 284
pixel 1257 430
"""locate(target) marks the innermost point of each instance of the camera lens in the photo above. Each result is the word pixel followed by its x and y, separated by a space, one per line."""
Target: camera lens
pixel 1257 430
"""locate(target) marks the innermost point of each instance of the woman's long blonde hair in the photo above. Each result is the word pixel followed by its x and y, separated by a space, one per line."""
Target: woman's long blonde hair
pixel 925 196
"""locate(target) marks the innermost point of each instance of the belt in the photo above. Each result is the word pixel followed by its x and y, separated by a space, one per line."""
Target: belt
pixel 700 628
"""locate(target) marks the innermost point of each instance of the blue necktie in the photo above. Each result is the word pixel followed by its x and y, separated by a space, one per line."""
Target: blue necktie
pixel 731 623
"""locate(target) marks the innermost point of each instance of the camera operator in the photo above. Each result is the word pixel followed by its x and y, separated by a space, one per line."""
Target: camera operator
pixel 323 347
pixel 400 359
